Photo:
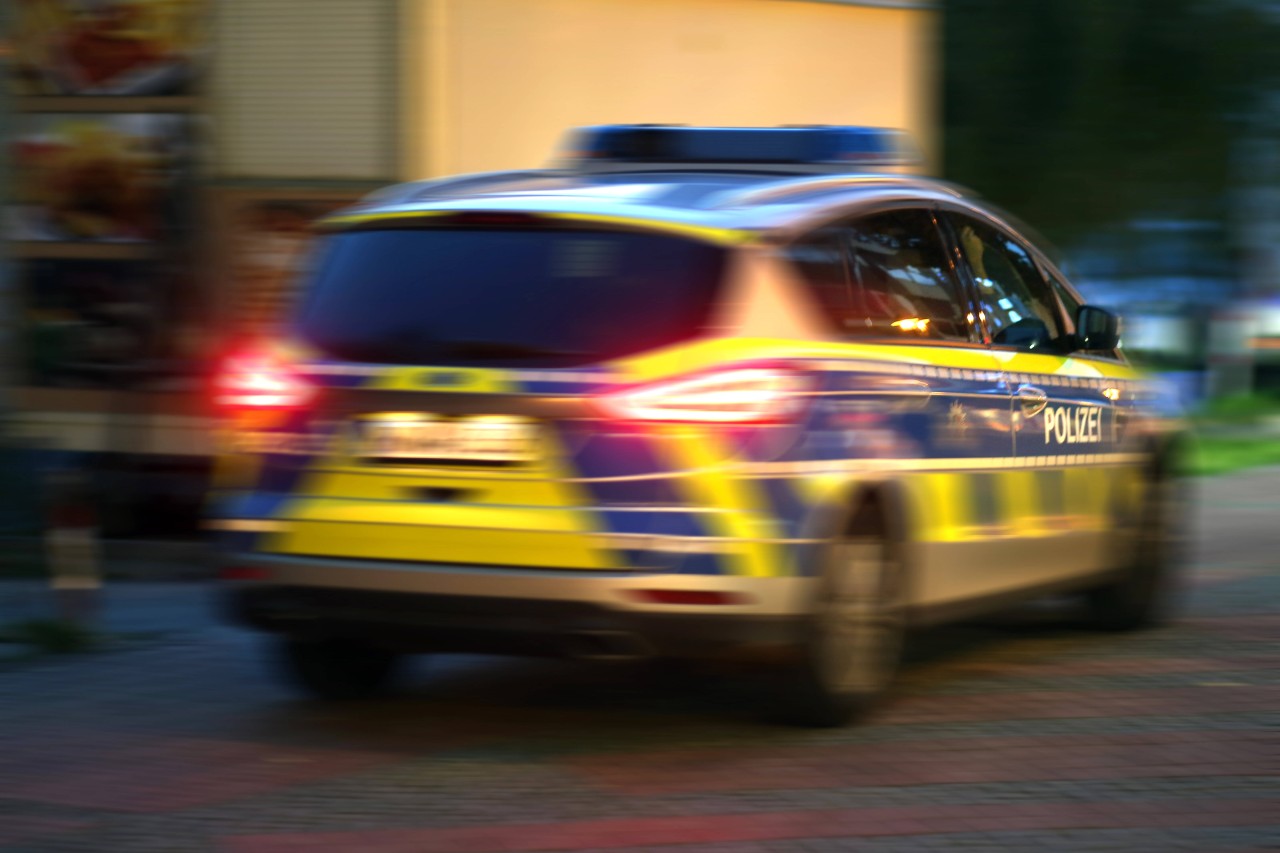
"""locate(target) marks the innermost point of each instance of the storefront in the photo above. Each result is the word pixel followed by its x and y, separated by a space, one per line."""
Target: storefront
pixel 167 156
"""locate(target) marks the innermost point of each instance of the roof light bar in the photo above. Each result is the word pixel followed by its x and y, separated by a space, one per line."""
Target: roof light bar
pixel 846 146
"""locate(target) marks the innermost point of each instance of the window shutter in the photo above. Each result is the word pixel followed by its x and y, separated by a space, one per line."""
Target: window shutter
pixel 305 89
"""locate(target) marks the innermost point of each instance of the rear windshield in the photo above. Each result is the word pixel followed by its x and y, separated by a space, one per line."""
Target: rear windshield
pixel 519 296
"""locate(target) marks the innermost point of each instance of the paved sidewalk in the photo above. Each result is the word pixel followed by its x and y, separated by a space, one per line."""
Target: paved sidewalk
pixel 1021 733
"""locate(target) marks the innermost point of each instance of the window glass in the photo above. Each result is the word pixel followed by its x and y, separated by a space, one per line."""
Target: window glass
pixel 902 282
pixel 819 258
pixel 506 295
pixel 1069 303
pixel 885 275
pixel 1013 297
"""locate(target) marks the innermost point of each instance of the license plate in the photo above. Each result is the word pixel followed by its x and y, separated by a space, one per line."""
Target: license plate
pixel 489 440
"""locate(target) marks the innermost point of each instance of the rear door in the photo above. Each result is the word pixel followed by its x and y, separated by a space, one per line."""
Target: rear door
pixel 923 396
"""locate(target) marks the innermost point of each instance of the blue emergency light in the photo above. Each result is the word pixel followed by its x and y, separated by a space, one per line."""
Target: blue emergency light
pixel 819 145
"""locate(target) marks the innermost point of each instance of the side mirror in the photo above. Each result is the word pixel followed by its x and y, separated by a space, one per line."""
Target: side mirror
pixel 1096 329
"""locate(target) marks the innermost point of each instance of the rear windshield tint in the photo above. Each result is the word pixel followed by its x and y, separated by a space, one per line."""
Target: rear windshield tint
pixel 506 295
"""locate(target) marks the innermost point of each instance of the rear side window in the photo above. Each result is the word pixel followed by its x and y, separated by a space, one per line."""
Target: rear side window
pixel 534 296
pixel 886 276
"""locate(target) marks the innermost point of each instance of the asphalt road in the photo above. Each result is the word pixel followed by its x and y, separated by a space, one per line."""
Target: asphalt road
pixel 1021 732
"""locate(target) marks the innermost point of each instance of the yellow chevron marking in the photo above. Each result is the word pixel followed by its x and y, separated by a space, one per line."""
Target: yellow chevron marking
pixel 747 519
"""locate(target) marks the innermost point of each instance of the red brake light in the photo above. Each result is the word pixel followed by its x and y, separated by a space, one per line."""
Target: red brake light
pixel 743 395
pixel 260 381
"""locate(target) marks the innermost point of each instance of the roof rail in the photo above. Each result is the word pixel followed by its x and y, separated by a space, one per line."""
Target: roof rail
pixel 443 187
pixel 799 186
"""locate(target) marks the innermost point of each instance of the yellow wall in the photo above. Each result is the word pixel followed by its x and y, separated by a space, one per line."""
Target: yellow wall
pixel 493 84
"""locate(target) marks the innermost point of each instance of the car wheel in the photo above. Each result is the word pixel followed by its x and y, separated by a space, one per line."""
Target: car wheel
pixel 854 638
pixel 331 668
pixel 1140 596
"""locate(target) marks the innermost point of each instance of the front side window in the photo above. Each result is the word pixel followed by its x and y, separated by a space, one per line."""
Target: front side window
pixel 884 276
pixel 1013 298
pixel 1069 303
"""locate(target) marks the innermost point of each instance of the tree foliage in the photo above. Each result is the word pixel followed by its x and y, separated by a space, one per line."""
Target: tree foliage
pixel 1078 113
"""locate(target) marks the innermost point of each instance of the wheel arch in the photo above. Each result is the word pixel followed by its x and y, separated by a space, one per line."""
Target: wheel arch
pixel 883 499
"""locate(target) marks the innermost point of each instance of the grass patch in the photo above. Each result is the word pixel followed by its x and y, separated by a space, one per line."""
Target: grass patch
pixel 1212 454
pixel 1239 409
pixel 1235 433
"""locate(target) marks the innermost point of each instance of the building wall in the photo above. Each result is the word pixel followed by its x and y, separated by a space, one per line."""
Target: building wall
pixel 305 89
pixel 312 102
pixel 493 84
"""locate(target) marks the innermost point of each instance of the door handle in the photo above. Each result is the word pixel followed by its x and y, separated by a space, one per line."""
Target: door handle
pixel 1032 399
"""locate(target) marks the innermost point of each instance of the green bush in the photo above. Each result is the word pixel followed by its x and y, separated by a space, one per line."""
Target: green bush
pixel 1220 454
pixel 1240 408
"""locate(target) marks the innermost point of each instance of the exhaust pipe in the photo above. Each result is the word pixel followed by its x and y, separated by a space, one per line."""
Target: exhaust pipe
pixel 607 646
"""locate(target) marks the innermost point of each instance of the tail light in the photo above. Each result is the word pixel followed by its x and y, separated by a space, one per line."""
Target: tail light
pixel 260 380
pixel 745 395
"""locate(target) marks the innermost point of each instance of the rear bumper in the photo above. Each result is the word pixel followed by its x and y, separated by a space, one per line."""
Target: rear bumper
pixel 577 613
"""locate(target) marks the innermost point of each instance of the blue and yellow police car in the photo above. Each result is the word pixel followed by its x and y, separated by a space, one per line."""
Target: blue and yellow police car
pixel 689 392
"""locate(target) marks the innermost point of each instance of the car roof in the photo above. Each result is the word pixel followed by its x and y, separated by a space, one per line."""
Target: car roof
pixel 730 199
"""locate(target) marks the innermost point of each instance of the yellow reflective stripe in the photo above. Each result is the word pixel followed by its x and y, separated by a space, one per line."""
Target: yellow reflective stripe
pixel 473 380
pixel 360 218
pixel 1063 366
pixel 747 519
pixel 708 233
pixel 923 361
pixel 898 359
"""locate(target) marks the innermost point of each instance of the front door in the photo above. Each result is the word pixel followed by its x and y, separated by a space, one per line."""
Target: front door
pixel 1060 494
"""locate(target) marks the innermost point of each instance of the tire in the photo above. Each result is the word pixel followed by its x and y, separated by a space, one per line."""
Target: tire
pixel 1140 597
pixel 853 642
pixel 330 668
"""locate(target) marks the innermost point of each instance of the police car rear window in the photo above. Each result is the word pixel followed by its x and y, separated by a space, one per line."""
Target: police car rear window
pixel 506 295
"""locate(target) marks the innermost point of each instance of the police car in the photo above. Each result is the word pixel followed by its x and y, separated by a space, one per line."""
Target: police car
pixel 690 392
